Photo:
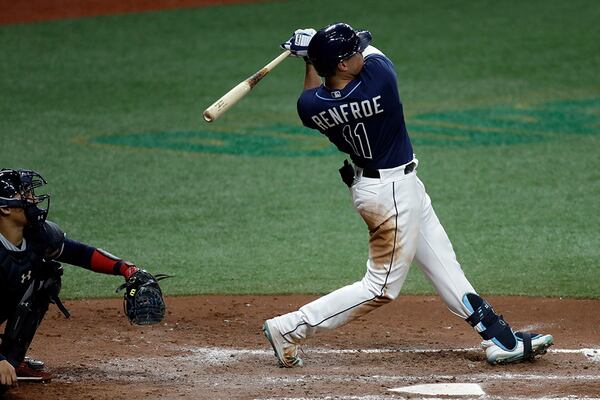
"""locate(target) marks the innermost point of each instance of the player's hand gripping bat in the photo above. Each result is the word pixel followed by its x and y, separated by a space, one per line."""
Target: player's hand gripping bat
pixel 243 88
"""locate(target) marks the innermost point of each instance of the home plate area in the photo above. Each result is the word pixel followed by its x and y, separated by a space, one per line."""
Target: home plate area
pixel 365 374
pixel 212 347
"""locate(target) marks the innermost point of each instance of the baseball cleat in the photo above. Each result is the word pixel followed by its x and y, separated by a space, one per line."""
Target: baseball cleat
pixel 529 346
pixel 32 370
pixel 286 352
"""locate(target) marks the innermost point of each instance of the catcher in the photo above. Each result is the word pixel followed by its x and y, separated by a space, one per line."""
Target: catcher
pixel 31 249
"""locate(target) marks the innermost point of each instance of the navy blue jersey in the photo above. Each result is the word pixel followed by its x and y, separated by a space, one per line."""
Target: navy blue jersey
pixel 365 119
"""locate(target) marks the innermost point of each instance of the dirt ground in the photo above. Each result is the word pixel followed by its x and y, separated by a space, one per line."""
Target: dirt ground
pixel 211 347
pixel 14 12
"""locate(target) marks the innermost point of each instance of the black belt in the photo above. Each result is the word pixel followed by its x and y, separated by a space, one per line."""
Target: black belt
pixel 374 173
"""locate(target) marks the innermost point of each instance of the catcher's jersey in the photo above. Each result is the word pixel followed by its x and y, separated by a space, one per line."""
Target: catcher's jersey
pixel 365 119
pixel 18 268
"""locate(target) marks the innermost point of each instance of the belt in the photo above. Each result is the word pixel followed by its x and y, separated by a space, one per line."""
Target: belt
pixel 374 173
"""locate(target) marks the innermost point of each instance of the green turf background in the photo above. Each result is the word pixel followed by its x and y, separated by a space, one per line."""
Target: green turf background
pixel 523 216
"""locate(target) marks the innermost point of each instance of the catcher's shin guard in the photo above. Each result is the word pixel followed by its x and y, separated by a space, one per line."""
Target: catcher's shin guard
pixel 20 331
pixel 488 324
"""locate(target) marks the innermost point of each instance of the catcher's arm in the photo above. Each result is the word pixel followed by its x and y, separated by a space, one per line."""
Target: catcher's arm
pixel 143 300
pixel 97 260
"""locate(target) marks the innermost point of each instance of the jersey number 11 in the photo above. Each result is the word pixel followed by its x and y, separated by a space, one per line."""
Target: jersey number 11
pixel 358 140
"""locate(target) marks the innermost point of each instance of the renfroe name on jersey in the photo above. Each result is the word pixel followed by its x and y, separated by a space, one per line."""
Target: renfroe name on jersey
pixel 339 114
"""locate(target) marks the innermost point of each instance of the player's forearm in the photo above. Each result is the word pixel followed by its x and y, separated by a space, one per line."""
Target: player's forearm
pixel 98 260
pixel 311 78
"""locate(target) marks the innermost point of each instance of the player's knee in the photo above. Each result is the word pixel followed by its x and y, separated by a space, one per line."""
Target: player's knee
pixel 381 293
pixel 487 323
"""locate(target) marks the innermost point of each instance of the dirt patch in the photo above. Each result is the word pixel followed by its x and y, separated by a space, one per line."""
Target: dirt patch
pixel 212 347
pixel 13 12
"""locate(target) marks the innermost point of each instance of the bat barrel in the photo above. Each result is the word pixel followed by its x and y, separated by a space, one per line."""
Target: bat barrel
pixel 208 117
pixel 224 103
pixel 234 95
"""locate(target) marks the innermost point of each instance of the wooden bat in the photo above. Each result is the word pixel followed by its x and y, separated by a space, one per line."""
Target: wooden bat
pixel 243 88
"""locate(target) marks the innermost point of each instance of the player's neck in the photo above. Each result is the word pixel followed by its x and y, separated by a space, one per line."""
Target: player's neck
pixel 11 232
pixel 339 81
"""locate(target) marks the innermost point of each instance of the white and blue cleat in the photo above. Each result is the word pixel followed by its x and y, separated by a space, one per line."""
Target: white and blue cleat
pixel 528 347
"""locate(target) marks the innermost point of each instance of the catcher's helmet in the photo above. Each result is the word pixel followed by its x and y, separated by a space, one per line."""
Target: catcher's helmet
pixel 333 44
pixel 24 182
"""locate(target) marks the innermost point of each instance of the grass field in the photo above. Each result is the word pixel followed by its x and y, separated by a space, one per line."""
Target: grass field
pixel 502 101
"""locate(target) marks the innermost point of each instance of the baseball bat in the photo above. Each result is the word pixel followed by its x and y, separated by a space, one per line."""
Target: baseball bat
pixel 240 90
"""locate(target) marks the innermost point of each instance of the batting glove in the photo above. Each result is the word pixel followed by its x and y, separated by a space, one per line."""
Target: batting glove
pixel 298 43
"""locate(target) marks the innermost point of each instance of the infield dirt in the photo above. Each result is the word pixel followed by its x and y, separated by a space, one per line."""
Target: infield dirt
pixel 211 347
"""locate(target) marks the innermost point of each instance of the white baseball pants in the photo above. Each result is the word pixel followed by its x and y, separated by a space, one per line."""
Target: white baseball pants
pixel 403 227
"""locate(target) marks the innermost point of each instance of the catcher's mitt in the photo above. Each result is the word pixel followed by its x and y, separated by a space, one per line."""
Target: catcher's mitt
pixel 143 302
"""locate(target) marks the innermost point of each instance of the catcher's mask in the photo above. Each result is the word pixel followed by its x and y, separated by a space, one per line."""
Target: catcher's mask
pixel 18 190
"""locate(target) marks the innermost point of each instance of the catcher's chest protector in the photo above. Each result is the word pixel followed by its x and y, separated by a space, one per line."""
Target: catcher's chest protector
pixel 16 273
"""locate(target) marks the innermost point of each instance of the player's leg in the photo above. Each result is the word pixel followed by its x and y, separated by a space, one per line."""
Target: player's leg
pixel 436 258
pixel 19 332
pixel 392 213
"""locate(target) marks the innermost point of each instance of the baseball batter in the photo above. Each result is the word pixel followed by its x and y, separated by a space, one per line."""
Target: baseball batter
pixel 358 108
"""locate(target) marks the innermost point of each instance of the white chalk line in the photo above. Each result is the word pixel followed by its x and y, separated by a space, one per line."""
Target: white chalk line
pixel 470 378
pixel 218 353
pixel 158 368
pixel 412 397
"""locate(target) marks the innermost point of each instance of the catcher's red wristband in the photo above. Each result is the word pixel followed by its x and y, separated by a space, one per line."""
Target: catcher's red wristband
pixel 106 263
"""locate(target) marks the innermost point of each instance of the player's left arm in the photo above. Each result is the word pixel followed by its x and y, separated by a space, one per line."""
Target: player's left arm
pixel 143 299
pixel 58 247
pixel 370 50
pixel 95 259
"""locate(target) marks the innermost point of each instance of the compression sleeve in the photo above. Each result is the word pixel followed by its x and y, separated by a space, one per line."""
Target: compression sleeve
pixel 97 260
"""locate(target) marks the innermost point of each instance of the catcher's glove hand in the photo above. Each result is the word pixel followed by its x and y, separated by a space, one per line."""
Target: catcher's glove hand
pixel 143 302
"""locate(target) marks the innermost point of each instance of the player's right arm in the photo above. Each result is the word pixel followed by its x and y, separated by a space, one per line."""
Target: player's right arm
pixel 8 376
pixel 311 78
pixel 298 47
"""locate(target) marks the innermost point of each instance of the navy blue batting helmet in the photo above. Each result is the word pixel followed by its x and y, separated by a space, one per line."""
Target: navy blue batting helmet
pixel 335 43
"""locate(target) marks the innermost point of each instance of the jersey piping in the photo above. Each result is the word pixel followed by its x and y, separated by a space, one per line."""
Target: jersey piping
pixel 341 98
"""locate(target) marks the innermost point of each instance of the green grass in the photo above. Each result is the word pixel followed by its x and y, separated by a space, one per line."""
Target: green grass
pixel 523 216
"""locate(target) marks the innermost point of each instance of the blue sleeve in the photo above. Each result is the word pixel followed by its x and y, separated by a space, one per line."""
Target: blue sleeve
pixel 303 106
pixel 76 253
pixel 379 68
